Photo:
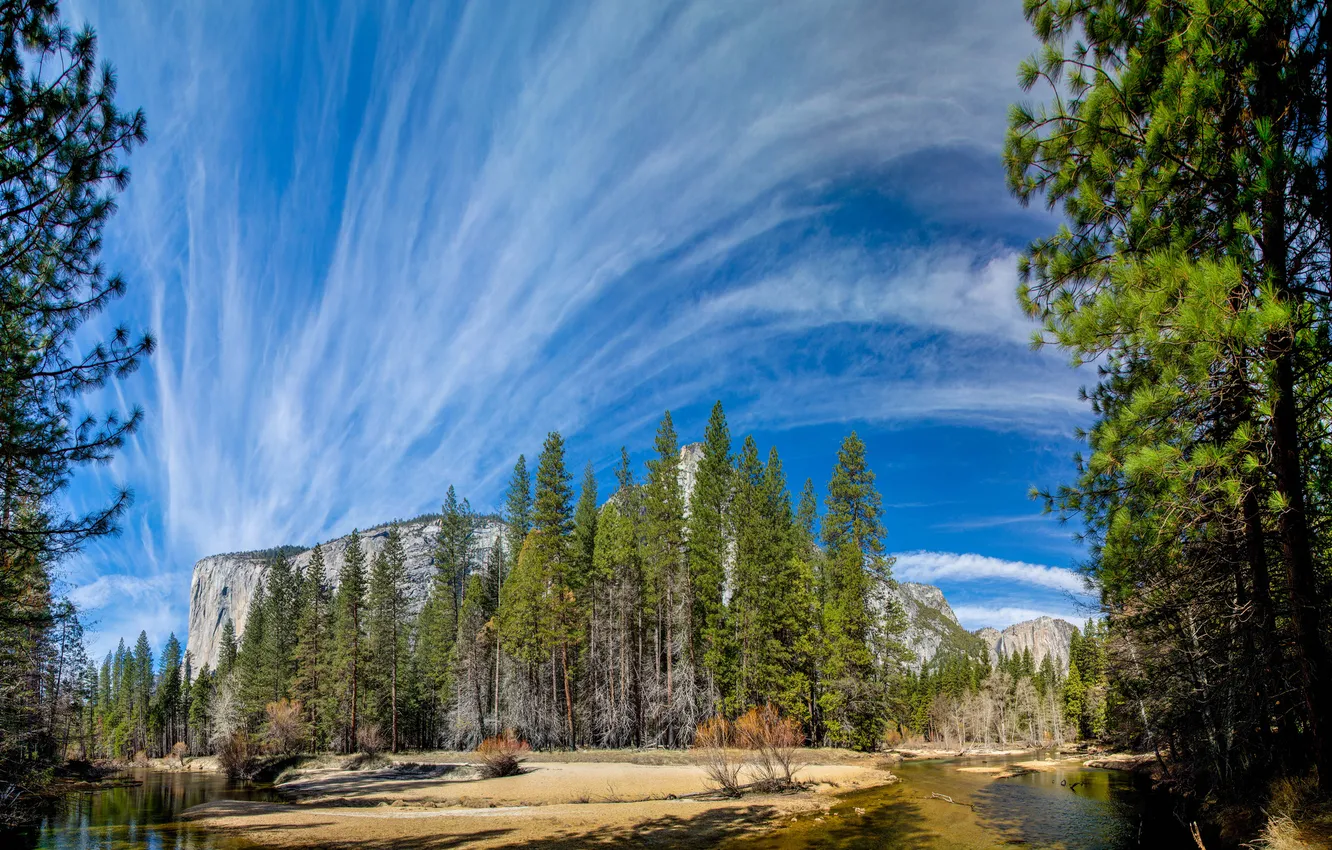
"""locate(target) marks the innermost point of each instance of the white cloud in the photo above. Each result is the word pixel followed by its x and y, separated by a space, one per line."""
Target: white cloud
pixel 120 590
pixel 974 617
pixel 385 254
pixel 932 567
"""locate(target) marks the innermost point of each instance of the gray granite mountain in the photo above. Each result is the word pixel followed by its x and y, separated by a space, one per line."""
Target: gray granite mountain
pixel 931 625
pixel 1043 636
pixel 223 585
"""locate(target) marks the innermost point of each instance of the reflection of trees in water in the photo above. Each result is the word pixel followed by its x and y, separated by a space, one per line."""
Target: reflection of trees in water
pixel 135 816
pixel 1082 809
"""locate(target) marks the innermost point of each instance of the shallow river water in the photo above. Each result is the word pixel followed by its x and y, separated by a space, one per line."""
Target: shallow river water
pixel 1070 807
pixel 139 816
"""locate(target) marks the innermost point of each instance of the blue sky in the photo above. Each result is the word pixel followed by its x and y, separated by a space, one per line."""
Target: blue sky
pixel 387 247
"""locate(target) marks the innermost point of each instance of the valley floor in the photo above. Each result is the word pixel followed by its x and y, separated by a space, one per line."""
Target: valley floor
pixel 438 800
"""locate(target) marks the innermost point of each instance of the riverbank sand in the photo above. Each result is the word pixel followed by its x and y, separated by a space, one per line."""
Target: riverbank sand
pixel 435 802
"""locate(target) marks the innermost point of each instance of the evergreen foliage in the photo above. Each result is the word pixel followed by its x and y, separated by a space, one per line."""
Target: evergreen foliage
pixel 1187 146
pixel 63 141
pixel 349 644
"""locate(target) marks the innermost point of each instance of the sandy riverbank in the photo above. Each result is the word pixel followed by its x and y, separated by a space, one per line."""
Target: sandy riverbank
pixel 565 800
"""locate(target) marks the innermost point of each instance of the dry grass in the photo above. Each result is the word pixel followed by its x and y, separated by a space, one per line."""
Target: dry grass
pixel 1296 818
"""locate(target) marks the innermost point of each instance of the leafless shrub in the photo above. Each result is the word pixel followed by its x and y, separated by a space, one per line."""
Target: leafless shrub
pixel 715 738
pixel 224 711
pixel 284 728
pixel 500 755
pixel 179 751
pixel 370 740
pixel 774 740
pixel 239 755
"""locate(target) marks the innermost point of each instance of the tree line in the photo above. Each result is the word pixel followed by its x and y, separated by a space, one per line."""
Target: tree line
pixel 624 623
pixel 961 699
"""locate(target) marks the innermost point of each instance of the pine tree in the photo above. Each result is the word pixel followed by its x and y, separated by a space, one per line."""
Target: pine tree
pixel 787 612
pixel 666 572
pixel 1187 148
pixel 200 695
pixel 314 648
pixel 709 505
pixel 169 690
pixel 453 548
pixel 227 650
pixel 141 676
pixel 254 668
pixel 349 637
pixel 751 554
pixel 852 532
pixel 283 599
pixel 618 709
pixel 471 661
pixel 517 513
pixel 552 528
pixel 585 531
pixel 387 624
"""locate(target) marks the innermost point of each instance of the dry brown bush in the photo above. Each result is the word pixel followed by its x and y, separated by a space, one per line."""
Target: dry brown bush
pixel 179 751
pixel 500 755
pixel 774 741
pixel 284 729
pixel 370 740
pixel 715 738
pixel 239 755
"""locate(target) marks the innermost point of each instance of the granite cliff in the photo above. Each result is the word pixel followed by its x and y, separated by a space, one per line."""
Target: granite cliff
pixel 223 585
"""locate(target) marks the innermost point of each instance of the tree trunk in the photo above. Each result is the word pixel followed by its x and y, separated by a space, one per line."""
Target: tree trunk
pixel 1293 526
pixel 568 695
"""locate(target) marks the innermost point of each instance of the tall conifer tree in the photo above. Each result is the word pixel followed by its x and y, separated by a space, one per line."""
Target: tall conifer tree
pixel 853 533
pixel 314 647
pixel 709 506
pixel 349 636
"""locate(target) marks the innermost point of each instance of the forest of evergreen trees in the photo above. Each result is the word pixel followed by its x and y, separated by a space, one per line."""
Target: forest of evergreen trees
pixel 620 624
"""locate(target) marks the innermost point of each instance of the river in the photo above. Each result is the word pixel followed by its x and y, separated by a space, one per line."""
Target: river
pixel 1070 807
pixel 144 815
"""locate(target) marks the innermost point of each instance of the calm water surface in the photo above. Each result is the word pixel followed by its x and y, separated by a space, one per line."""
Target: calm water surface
pixel 139 816
pixel 1070 807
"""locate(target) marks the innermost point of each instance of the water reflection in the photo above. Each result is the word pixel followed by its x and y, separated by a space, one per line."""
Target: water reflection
pixel 138 816
pixel 1070 807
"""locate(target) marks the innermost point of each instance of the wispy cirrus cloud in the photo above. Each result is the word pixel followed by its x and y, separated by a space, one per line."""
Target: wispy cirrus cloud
pixel 933 567
pixel 387 248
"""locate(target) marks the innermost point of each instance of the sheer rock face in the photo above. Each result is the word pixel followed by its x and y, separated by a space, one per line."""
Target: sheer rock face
pixel 991 637
pixel 223 586
pixel 1043 636
pixel 931 625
